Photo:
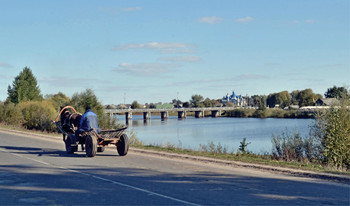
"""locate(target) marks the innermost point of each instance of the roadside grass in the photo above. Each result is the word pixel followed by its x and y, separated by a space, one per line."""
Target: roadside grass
pixel 263 159
pixel 213 151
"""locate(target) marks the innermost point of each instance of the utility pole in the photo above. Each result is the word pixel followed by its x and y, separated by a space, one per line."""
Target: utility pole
pixel 177 100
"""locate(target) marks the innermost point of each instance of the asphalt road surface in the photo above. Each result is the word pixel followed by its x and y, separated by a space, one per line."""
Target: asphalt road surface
pixel 37 171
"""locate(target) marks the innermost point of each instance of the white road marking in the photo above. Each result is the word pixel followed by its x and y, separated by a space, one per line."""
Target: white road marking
pixel 105 179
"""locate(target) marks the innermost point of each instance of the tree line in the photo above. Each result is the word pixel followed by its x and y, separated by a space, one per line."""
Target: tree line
pixel 329 143
pixel 26 107
pixel 283 99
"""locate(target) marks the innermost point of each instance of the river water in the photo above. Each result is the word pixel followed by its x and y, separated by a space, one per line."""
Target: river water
pixel 229 132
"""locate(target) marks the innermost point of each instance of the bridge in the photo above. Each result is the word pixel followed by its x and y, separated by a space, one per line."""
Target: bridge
pixel 164 113
pixel 199 112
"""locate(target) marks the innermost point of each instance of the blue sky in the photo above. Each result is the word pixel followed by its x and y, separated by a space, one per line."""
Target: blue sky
pixel 156 50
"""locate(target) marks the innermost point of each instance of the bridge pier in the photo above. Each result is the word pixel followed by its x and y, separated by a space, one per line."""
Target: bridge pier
pixel 128 115
pixel 215 113
pixel 164 115
pixel 199 114
pixel 181 114
pixel 146 115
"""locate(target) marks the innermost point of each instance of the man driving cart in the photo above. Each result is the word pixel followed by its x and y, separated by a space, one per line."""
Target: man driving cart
pixel 88 122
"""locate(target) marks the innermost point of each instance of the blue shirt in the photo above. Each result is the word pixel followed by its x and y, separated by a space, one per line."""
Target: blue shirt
pixel 89 121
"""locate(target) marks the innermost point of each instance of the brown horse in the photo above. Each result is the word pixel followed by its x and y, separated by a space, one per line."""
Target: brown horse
pixel 70 122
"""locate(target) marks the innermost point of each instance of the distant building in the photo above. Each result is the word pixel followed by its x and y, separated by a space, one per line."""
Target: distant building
pixel 293 106
pixel 237 100
pixel 124 106
pixel 110 106
pixel 326 102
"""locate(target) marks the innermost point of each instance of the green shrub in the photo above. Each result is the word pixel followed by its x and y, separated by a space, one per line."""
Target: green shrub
pixel 332 128
pixel 38 115
pixel 80 100
pixel 240 113
pixel 211 148
pixel 133 140
pixel 293 147
pixel 277 113
pixel 58 100
pixel 259 113
pixel 243 146
pixel 10 114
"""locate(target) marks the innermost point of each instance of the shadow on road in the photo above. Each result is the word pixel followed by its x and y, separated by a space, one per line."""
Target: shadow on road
pixel 86 184
pixel 118 186
pixel 41 151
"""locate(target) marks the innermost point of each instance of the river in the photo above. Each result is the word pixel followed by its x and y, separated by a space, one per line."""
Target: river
pixel 192 132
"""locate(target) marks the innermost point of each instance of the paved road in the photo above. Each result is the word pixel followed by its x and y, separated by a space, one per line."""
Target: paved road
pixel 37 171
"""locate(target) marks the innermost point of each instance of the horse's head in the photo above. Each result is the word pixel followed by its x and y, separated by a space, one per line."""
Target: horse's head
pixel 64 115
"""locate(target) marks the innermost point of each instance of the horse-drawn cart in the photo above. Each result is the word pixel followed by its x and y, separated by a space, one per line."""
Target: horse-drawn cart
pixel 67 123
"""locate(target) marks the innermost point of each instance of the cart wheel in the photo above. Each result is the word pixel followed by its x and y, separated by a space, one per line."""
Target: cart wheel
pixel 100 149
pixel 123 145
pixel 90 146
pixel 69 148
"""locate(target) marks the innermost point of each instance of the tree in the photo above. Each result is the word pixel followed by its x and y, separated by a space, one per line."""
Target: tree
pixel 209 102
pixel 272 100
pixel 336 92
pixel 24 88
pixel 307 97
pixel 58 100
pixel 135 105
pixel 87 98
pixel 186 104
pixel 258 101
pixel 176 103
pixel 294 95
pixel 196 101
pixel 283 99
pixel 80 100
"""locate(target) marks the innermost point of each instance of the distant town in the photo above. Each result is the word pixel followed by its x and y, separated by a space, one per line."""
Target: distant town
pixel 284 100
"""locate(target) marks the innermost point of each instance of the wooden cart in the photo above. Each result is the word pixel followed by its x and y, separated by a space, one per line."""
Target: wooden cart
pixel 94 142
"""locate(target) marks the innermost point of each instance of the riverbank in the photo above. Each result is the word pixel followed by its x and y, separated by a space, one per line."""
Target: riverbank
pixel 250 158
pixel 269 113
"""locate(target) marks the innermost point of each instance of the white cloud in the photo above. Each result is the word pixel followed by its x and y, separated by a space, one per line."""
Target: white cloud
pixel 5 65
pixel 181 59
pixel 245 19
pixel 146 69
pixel 130 9
pixel 167 47
pixel 210 20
